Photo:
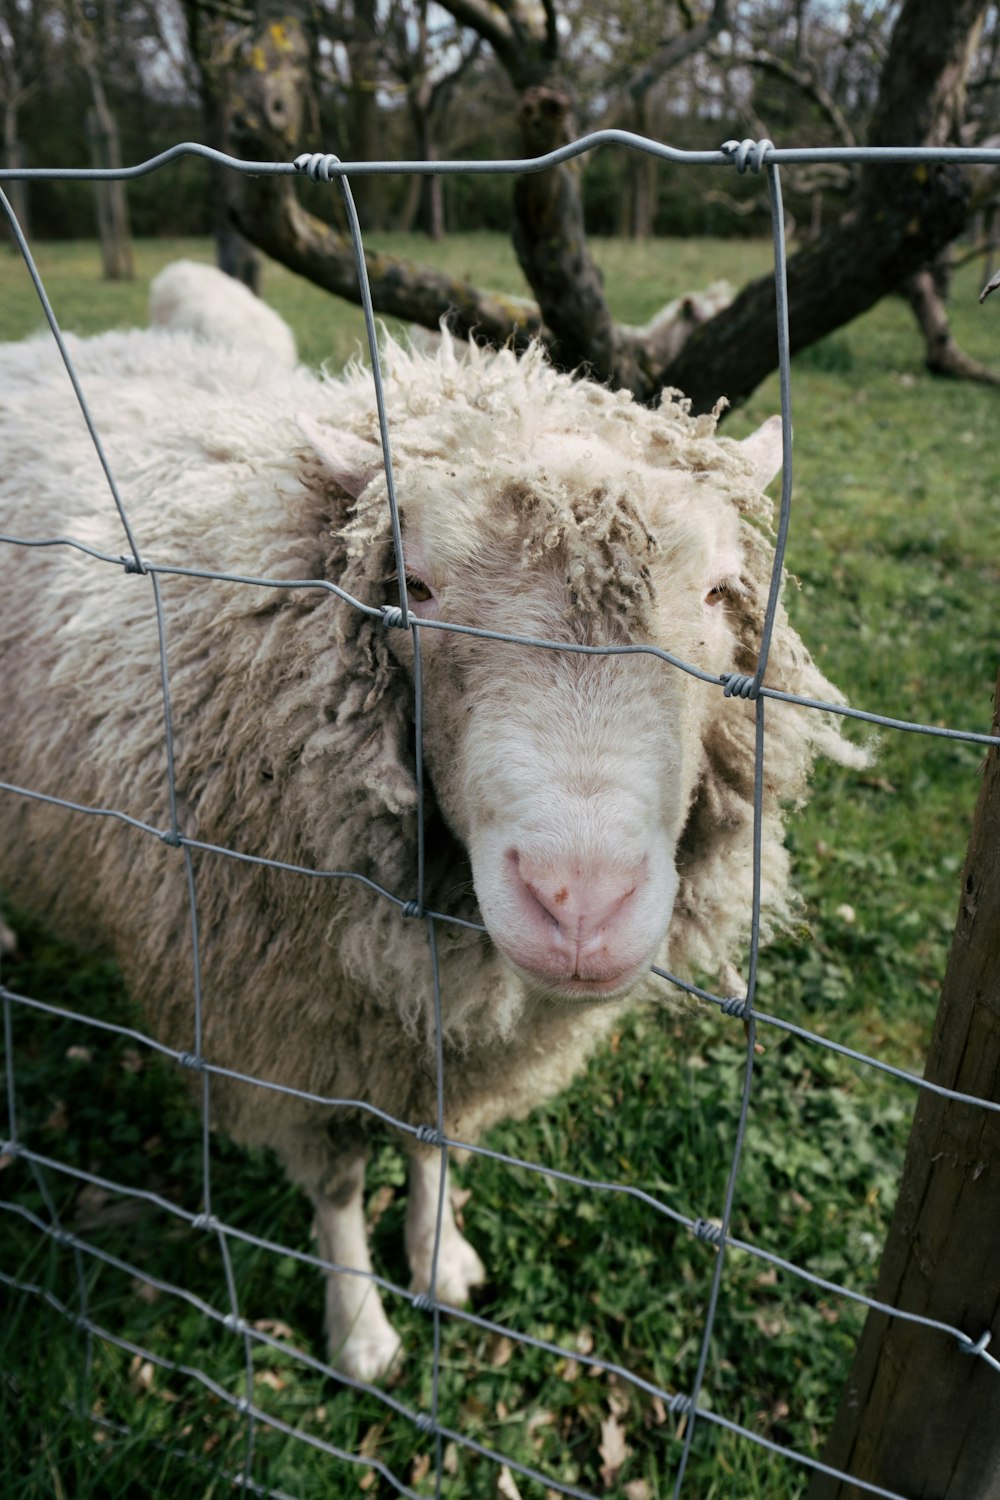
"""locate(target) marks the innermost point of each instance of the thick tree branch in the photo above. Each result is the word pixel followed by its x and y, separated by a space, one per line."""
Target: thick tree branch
pixel 268 100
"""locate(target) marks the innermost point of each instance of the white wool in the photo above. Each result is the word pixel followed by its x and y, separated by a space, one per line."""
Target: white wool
pixel 188 296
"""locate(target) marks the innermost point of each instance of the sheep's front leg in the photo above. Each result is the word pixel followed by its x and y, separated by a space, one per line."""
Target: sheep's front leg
pixel 362 1342
pixel 459 1268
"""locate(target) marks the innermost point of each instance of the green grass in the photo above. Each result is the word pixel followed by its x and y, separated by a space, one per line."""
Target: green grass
pixel 895 544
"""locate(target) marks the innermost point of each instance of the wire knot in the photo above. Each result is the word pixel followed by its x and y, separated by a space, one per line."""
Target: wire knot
pixel 680 1406
pixel 10 1148
pixel 392 616
pixel 979 1347
pixel 234 1323
pixel 206 1221
pixel 171 837
pixel 423 1422
pixel 422 1302
pixel 316 165
pixel 412 909
pixel 133 564
pixel 747 153
pixel 428 1135
pixel 738 685
pixel 191 1060
pixel 705 1230
pixel 735 1005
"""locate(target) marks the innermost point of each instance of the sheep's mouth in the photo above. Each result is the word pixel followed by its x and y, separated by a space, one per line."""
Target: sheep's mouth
pixel 577 990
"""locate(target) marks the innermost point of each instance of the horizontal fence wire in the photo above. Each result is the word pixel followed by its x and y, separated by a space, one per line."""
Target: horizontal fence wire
pixel 759 156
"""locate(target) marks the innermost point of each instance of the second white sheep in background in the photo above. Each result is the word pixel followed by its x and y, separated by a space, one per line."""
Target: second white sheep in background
pixel 195 298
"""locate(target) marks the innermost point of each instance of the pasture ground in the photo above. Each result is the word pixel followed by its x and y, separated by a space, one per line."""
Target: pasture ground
pixel 895 546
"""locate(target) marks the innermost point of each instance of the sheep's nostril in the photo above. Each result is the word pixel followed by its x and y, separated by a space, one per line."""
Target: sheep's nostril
pixel 581 903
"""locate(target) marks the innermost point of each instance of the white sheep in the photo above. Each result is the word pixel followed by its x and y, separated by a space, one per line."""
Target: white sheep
pixel 187 295
pixel 594 811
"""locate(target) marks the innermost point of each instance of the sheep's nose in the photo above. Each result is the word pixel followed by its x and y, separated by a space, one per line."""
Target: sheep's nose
pixel 585 905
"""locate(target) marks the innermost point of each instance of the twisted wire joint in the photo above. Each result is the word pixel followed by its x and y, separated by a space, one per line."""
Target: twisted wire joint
pixel 736 1005
pixel 738 685
pixel 422 1302
pixel 191 1060
pixel 979 1347
pixel 392 616
pixel 747 153
pixel 428 1135
pixel 705 1230
pixel 130 564
pixel 412 909
pixel 423 1422
pixel 316 165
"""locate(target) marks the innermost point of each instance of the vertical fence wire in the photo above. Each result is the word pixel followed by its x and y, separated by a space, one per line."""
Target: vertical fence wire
pixel 757 155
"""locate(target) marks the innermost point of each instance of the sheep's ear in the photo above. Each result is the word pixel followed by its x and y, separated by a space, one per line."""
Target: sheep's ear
pixel 351 461
pixel 763 449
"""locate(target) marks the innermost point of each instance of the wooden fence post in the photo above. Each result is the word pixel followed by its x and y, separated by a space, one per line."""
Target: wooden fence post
pixel 918 1415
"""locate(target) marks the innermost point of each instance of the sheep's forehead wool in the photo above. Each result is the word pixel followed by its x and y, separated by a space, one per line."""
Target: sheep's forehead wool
pixel 503 463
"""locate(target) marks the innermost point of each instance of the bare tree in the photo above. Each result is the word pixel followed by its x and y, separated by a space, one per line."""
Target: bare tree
pixel 895 222
pixel 102 133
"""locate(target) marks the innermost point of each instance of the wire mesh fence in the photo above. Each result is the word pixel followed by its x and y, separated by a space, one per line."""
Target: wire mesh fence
pixel 36 1172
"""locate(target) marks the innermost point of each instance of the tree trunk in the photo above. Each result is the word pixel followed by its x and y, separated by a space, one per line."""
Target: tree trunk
pixel 17 190
pixel 944 355
pixel 112 206
pixel 919 1415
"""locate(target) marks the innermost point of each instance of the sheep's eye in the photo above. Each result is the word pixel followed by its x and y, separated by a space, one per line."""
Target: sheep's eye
pixel 418 590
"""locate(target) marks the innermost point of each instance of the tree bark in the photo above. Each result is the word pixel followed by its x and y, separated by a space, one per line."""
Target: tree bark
pixel 918 1415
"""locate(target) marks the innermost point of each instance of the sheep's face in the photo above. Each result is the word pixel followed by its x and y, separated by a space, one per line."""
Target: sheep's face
pixel 567 776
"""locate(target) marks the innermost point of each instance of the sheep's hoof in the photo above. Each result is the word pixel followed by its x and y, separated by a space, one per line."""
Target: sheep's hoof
pixel 366 1359
pixel 459 1270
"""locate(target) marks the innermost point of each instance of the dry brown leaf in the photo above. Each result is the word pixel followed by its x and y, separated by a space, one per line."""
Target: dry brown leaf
pixel 585 1341
pixel 501 1349
pixel 617 1403
pixel 540 1419
pixel 270 1378
pixel 636 1489
pixel 659 1411
pixel 568 1369
pixel 506 1486
pixel 80 1054
pixel 613 1450
pixel 368 1446
pixel 274 1327
pixel 142 1372
pixel 367 1479
pixel 420 1468
pixel 449 1461
pixel 59 1118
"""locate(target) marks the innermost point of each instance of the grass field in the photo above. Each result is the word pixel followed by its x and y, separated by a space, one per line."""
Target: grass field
pixel 895 549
